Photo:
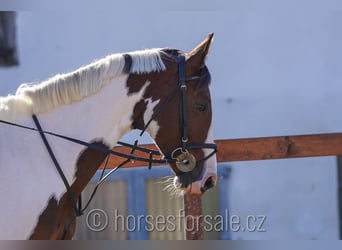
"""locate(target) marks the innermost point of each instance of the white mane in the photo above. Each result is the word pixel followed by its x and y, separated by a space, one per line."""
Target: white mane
pixel 66 88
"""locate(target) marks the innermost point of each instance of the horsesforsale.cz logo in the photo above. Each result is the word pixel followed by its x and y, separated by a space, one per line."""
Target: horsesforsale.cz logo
pixel 97 220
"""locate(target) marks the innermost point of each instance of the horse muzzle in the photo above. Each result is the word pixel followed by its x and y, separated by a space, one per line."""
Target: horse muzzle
pixel 200 186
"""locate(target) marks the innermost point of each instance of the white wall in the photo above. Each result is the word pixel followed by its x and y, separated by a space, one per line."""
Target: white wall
pixel 276 70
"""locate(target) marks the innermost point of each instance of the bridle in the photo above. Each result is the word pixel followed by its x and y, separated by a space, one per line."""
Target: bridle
pixel 181 156
pixel 185 161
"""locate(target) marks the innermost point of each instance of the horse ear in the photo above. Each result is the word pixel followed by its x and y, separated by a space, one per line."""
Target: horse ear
pixel 197 56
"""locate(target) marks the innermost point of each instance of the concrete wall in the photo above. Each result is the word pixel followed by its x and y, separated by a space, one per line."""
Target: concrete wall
pixel 276 70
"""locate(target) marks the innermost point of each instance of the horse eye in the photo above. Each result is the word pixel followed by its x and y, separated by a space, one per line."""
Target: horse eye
pixel 201 107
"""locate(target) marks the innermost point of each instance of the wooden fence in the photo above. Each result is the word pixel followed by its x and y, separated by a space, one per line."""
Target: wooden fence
pixel 263 148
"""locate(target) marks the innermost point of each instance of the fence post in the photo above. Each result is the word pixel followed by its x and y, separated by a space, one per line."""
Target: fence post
pixel 193 217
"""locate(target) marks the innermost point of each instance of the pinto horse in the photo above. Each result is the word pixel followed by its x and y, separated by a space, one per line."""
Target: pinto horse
pixel 164 92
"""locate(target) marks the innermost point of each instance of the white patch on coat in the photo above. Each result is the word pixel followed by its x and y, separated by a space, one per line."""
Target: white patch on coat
pixel 153 127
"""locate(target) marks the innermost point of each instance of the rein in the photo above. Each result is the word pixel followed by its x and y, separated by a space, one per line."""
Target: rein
pixel 185 161
pixel 130 157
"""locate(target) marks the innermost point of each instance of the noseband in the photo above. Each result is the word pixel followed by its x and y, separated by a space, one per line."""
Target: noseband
pixel 181 156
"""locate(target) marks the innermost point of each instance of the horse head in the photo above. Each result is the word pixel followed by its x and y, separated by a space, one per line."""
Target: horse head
pixel 176 111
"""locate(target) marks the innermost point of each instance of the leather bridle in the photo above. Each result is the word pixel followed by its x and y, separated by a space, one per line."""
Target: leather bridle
pixel 181 156
pixel 185 161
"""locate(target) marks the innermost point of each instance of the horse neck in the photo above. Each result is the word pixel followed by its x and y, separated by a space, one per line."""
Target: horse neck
pixel 102 118
pixel 105 116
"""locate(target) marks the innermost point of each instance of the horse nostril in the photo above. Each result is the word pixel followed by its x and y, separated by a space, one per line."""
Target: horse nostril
pixel 209 183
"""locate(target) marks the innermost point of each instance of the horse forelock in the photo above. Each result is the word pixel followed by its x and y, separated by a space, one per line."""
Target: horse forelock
pixel 64 89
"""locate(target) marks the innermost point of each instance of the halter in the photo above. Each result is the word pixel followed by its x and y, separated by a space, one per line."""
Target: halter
pixel 181 156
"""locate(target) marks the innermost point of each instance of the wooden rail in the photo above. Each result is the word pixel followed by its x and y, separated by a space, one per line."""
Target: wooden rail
pixel 263 148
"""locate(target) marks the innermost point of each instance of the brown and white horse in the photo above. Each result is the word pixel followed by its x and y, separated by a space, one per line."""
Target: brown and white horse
pixel 99 103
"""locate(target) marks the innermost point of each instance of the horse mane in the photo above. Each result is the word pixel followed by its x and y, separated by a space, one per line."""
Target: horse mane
pixel 66 88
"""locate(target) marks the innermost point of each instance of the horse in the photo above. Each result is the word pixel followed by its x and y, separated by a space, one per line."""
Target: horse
pixel 165 92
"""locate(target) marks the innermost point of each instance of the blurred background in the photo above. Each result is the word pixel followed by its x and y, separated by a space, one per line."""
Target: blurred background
pixel 276 70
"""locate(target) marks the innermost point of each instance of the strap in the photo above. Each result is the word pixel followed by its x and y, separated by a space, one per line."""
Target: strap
pixel 181 69
pixel 96 147
pixel 58 167
pixel 182 105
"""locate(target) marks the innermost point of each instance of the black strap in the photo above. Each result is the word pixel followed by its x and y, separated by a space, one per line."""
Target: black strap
pixel 58 167
pixel 182 104
pixel 150 160
pixel 105 150
pixel 79 209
